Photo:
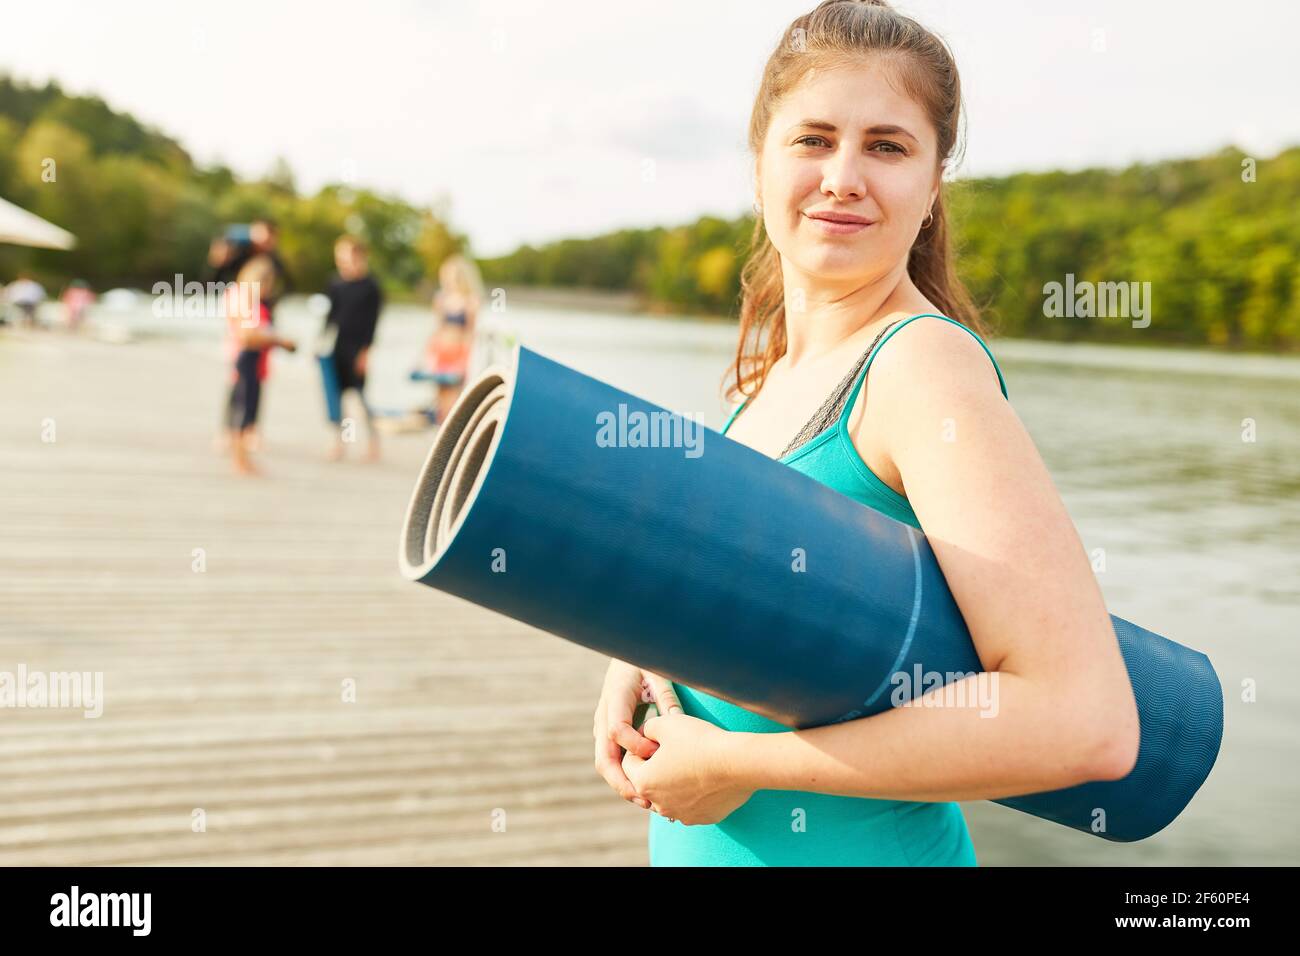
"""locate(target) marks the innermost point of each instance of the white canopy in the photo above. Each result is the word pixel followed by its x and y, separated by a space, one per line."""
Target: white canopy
pixel 22 228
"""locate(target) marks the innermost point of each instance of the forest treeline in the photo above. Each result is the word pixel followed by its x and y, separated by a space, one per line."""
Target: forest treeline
pixel 1215 239
pixel 142 209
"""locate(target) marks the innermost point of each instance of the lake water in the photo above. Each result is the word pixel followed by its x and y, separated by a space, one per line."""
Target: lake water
pixel 1200 528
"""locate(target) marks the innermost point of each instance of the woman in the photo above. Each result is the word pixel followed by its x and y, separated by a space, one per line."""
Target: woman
pixel 249 340
pixel 854 124
pixel 447 353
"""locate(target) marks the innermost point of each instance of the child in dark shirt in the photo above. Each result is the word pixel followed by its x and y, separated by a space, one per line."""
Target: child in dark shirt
pixel 355 301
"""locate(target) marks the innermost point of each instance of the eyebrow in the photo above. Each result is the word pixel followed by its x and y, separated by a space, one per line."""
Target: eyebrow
pixel 881 129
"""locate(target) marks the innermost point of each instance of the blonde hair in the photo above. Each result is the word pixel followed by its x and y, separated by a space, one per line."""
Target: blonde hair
pixel 836 33
pixel 261 270
pixel 461 275
pixel 255 283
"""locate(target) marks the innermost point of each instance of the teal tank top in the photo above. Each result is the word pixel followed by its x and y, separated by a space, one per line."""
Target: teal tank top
pixel 800 828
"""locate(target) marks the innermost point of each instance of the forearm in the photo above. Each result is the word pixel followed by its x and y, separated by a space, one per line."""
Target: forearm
pixel 932 753
pixel 257 339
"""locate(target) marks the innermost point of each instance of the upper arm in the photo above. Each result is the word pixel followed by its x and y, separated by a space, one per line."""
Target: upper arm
pixel 1002 536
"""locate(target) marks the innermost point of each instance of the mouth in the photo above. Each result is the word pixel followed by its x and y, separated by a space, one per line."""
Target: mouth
pixel 838 224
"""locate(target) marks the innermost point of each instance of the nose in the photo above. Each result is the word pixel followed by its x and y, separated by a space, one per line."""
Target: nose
pixel 842 175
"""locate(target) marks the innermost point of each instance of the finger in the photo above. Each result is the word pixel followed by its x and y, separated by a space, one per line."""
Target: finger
pixel 631 740
pixel 651 729
pixel 665 696
pixel 609 766
pixel 631 767
pixel 623 686
pixel 619 711
pixel 608 760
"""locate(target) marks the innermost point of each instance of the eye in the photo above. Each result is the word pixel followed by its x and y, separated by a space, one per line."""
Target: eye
pixel 891 147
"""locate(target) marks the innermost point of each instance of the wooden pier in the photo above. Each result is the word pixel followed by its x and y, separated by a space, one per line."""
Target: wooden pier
pixel 274 691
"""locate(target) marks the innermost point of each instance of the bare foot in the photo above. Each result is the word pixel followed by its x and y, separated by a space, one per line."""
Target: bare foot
pixel 246 469
pixel 372 452
pixel 335 453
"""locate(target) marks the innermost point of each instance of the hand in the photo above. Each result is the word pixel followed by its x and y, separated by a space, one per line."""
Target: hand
pixel 361 361
pixel 626 686
pixel 289 345
pixel 687 778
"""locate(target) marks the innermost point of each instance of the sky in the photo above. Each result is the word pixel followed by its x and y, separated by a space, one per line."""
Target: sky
pixel 536 122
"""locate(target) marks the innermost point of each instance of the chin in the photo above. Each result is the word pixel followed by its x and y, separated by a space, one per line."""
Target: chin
pixel 839 264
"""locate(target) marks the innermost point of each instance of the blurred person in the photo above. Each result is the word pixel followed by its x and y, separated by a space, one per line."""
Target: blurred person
pixel 25 294
pixel 448 351
pixel 76 299
pixel 264 240
pixel 355 303
pixel 225 253
pixel 222 261
pixel 241 245
pixel 249 341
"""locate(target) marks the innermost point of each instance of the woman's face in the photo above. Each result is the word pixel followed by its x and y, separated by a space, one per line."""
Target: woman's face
pixel 845 141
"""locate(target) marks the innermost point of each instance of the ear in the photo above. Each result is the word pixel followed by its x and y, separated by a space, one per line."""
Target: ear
pixel 937 188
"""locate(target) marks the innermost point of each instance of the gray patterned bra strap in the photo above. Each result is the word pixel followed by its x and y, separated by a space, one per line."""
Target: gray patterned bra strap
pixel 831 408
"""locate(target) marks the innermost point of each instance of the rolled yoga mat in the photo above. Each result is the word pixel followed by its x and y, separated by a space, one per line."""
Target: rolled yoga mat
pixel 563 502
pixel 330 383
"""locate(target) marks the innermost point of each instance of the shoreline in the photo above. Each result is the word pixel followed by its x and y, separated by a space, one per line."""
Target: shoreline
pixel 620 304
pixel 122 328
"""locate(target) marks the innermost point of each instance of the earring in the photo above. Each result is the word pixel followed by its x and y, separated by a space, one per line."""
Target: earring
pixel 928 220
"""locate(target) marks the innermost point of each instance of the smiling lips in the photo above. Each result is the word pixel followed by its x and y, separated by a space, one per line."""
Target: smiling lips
pixel 838 223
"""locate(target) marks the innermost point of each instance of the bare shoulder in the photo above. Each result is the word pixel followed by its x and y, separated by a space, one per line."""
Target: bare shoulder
pixel 933 355
pixel 927 370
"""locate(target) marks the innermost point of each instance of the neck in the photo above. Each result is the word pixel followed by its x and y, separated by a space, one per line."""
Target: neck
pixel 832 315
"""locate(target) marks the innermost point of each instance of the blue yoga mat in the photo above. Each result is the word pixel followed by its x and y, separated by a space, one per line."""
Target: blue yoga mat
pixel 438 378
pixel 330 381
pixel 563 502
